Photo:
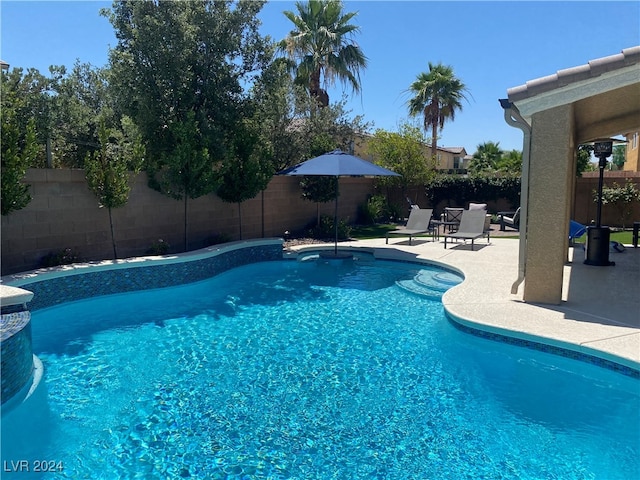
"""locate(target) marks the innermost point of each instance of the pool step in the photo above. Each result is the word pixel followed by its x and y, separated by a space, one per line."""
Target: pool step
pixel 428 281
pixel 415 288
pixel 429 284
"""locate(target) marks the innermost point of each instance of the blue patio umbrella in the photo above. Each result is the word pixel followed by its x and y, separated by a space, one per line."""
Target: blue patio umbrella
pixel 338 164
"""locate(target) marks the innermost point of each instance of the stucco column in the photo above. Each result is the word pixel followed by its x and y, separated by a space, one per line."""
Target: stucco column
pixel 552 151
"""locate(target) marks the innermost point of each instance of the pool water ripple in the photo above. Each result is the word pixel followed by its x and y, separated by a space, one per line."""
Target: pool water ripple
pixel 315 371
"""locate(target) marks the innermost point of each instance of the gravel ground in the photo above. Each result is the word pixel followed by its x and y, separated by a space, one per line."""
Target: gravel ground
pixel 292 242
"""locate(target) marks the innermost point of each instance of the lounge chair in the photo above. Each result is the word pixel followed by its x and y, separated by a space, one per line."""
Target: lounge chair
pixel 511 219
pixel 418 222
pixel 487 218
pixel 477 206
pixel 471 227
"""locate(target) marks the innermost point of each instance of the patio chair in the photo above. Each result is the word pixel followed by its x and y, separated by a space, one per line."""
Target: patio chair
pixel 477 206
pixel 483 207
pixel 472 226
pixel 412 206
pixel 511 219
pixel 451 217
pixel 419 222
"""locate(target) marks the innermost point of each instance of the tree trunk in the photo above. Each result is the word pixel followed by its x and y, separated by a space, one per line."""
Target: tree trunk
pixel 113 238
pixel 186 199
pixel 316 92
pixel 434 141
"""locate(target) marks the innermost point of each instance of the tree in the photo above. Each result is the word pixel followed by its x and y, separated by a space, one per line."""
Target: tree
pixel 78 102
pixel 403 153
pixel 275 99
pixel 320 189
pixel 247 171
pixel 24 101
pixel 107 170
pixel 510 162
pixel 180 70
pixel 188 170
pixel 320 130
pixel 437 95
pixel 618 157
pixel 294 128
pixel 65 106
pixel 321 47
pixel 486 157
pixel 18 143
pixel 178 57
pixel 19 150
pixel 583 160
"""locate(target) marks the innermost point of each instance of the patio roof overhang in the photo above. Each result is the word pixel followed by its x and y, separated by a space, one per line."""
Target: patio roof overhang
pixel 605 94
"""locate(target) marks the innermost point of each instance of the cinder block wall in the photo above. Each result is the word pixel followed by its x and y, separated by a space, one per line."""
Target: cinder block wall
pixel 65 214
pixel 585 208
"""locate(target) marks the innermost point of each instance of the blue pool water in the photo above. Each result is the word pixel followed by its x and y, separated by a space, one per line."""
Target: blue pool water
pixel 310 371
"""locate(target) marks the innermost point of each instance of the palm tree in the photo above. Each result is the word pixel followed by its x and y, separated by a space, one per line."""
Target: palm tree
pixel 510 162
pixel 436 95
pixel 320 47
pixel 486 157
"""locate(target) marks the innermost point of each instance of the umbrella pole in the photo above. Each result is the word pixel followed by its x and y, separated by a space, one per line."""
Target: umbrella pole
pixel 335 221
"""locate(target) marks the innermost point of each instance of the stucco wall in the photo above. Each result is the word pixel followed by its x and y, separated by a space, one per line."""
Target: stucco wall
pixel 551 168
pixel 65 214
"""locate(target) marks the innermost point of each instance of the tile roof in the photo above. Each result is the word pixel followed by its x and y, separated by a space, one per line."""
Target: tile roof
pixel 452 149
pixel 595 68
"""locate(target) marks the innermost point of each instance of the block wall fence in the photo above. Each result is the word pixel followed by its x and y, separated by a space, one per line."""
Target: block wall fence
pixel 65 214
pixel 585 208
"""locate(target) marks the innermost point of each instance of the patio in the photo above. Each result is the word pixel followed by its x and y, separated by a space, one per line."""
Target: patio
pixel 599 313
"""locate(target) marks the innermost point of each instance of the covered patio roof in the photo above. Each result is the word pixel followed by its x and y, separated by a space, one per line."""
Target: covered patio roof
pixel 557 113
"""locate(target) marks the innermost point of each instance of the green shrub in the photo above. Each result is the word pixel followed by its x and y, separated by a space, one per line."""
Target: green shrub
pixel 64 257
pixel 479 188
pixel 326 229
pixel 396 212
pixel 374 210
pixel 159 247
pixel 621 198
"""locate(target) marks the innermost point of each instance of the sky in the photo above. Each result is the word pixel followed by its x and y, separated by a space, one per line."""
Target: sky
pixel 491 46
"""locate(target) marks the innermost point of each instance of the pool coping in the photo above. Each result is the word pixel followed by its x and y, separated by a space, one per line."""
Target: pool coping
pixel 40 274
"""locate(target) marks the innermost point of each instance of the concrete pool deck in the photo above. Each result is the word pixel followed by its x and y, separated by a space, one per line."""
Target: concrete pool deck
pixel 600 310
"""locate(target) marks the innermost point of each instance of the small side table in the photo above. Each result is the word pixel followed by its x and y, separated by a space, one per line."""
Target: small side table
pixel 437 223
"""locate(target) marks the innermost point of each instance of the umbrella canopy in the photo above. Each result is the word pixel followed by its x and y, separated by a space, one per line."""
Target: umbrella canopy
pixel 338 164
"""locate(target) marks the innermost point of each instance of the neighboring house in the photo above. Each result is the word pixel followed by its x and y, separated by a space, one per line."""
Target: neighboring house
pixel 557 113
pixel 449 159
pixel 631 152
pixel 452 159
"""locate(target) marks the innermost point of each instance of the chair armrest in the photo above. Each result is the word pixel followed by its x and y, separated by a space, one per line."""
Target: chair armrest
pixel 502 215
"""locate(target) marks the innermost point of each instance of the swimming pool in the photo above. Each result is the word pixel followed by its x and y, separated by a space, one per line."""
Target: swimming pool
pixel 311 370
